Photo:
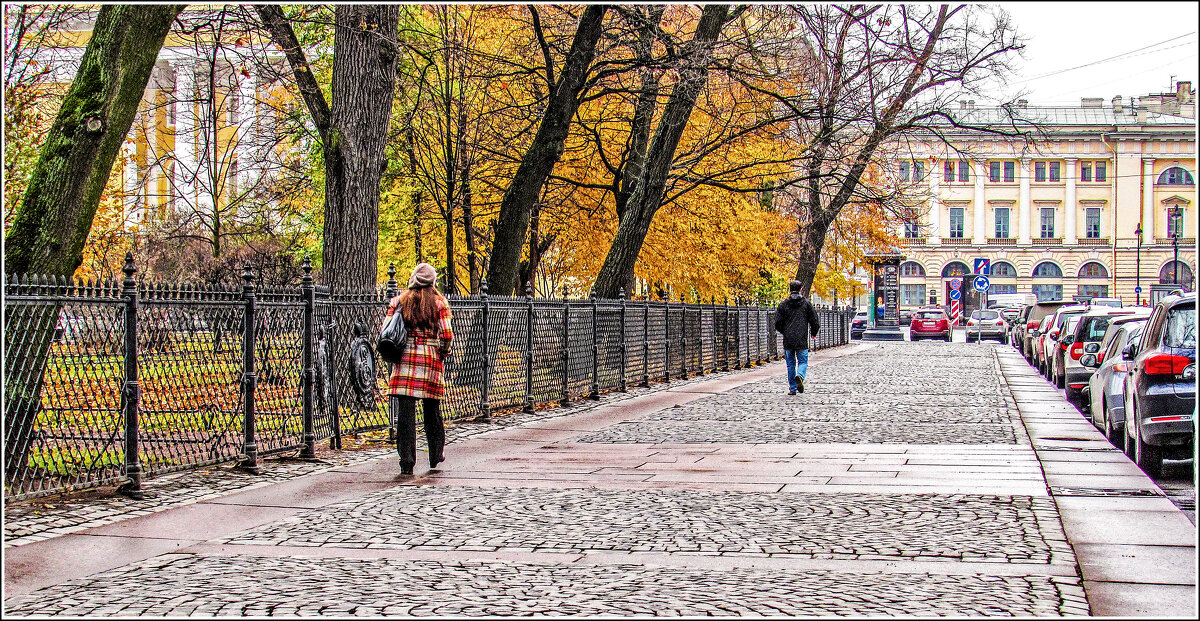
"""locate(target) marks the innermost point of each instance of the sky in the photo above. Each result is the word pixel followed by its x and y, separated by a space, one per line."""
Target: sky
pixel 1154 41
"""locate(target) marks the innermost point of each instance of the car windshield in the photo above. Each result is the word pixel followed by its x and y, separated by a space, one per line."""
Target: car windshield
pixel 1093 328
pixel 1180 329
pixel 928 315
pixel 985 314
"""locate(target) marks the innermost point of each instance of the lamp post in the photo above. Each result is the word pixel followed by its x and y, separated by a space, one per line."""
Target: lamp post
pixel 1137 289
pixel 1177 222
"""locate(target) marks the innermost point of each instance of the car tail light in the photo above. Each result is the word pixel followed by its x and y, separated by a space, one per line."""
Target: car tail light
pixel 1076 351
pixel 999 322
pixel 970 322
pixel 1120 367
pixel 1168 419
pixel 1032 325
pixel 1166 364
pixel 1100 357
pixel 1076 386
pixel 1054 334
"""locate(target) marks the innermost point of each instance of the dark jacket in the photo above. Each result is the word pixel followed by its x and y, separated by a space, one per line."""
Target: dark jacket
pixel 796 320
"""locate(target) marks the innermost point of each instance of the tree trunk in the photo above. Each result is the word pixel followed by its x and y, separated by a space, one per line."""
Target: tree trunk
pixel 813 241
pixel 364 76
pixel 469 226
pixel 52 223
pixel 643 112
pixel 544 152
pixel 617 272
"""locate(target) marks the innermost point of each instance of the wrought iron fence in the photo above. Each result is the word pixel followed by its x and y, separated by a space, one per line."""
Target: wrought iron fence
pixel 107 382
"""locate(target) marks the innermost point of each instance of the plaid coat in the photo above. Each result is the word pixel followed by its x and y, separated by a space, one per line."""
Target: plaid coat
pixel 419 373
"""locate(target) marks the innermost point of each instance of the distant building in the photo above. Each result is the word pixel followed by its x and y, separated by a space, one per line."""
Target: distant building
pixel 1058 218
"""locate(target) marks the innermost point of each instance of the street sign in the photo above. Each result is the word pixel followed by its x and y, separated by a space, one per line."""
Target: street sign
pixel 955 294
pixel 983 266
pixel 1137 289
pixel 956 283
pixel 980 283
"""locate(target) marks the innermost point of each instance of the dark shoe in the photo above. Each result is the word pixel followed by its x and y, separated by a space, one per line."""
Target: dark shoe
pixel 800 382
pixel 791 392
pixel 435 460
pixel 406 469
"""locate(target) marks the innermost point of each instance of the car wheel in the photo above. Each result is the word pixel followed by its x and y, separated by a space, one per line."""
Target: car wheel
pixel 949 337
pixel 1109 431
pixel 1061 380
pixel 1148 457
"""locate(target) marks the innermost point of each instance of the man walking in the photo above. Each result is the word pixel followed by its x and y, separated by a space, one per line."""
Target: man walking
pixel 796 320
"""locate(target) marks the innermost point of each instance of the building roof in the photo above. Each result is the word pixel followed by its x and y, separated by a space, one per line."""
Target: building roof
pixel 1065 116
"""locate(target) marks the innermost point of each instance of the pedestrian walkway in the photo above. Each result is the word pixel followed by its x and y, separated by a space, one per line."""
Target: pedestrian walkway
pixel 920 479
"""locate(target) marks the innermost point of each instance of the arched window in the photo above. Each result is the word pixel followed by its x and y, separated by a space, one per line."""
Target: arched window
pixel 1003 269
pixel 1168 275
pixel 1093 270
pixel 1046 269
pixel 1175 176
pixel 911 268
pixel 954 269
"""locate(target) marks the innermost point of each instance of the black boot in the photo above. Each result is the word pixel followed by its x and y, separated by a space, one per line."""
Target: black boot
pixel 405 409
pixel 435 431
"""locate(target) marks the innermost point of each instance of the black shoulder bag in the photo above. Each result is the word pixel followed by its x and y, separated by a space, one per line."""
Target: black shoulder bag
pixel 392 337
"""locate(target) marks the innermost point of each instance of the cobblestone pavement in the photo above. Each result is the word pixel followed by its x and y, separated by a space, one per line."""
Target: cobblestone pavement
pixel 184 584
pixel 507 547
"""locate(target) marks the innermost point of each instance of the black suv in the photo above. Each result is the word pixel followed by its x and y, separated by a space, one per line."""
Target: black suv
pixel 1160 389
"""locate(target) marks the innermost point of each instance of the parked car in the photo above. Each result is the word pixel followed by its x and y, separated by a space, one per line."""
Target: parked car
pixel 930 323
pixel 1059 352
pixel 1106 386
pixel 1009 313
pixel 1030 324
pixel 1160 389
pixel 1053 335
pixel 1039 336
pixel 858 325
pixel 1086 339
pixel 985 324
pixel 1016 328
pixel 905 316
pixel 1110 302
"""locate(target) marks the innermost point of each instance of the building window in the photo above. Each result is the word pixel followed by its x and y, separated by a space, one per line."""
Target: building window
pixel 1002 229
pixel 904 171
pixel 1101 171
pixel 1092 223
pixel 964 171
pixel 1048 293
pixel 1003 268
pixel 1039 171
pixel 1175 272
pixel 1010 172
pixel 1085 171
pixel 948 171
pixel 912 268
pixel 1174 224
pixel 1047 222
pixel 955 269
pixel 1175 176
pixel 1055 171
pixel 912 295
pixel 994 288
pixel 957 217
pixel 1046 269
pixel 1093 291
pixel 912 230
pixel 994 172
pixel 918 171
pixel 1093 270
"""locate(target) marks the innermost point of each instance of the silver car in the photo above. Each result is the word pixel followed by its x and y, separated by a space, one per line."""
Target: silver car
pixel 1087 337
pixel 1106 387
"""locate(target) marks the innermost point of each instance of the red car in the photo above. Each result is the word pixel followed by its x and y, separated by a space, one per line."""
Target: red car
pixel 930 323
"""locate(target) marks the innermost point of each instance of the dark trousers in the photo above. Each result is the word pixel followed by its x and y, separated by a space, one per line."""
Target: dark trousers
pixel 404 415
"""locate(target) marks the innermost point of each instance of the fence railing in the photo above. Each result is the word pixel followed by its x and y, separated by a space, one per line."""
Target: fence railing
pixel 112 381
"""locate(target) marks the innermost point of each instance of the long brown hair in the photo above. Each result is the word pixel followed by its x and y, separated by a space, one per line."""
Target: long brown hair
pixel 420 308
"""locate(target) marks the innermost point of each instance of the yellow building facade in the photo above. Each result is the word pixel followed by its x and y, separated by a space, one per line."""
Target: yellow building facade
pixel 1094 206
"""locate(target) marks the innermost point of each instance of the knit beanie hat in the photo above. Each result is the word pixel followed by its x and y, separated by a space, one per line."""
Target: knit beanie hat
pixel 423 276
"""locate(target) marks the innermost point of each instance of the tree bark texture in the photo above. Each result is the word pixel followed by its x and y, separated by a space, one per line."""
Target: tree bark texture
pixel 617 271
pixel 543 153
pixel 364 77
pixel 52 223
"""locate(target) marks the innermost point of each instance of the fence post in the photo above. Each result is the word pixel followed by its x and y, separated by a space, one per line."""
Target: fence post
pixel 646 341
pixel 132 389
pixel 595 390
pixel 485 410
pixel 621 385
pixel 529 347
pixel 724 334
pixel 249 461
pixel 566 351
pixel 667 340
pixel 393 290
pixel 308 293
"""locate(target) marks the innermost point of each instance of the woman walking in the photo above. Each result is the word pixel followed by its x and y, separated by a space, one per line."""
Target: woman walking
pixel 419 375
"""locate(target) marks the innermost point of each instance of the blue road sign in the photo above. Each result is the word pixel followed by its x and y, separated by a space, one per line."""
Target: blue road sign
pixel 955 283
pixel 1137 289
pixel 955 294
pixel 983 266
pixel 980 283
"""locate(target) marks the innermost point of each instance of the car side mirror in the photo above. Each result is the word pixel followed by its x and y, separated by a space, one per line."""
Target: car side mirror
pixel 1068 339
pixel 1130 351
pixel 1091 348
pixel 1089 360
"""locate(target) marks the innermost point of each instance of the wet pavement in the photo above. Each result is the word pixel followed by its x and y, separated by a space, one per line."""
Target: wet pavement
pixel 915 479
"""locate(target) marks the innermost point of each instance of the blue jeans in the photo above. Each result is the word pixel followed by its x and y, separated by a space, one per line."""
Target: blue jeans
pixel 797 364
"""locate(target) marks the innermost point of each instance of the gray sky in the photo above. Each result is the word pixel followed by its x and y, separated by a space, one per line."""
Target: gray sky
pixel 1063 35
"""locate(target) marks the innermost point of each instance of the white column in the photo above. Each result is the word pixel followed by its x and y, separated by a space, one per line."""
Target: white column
pixel 980 237
pixel 185 133
pixel 1148 211
pixel 1024 236
pixel 247 146
pixel 133 203
pixel 1070 238
pixel 935 206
